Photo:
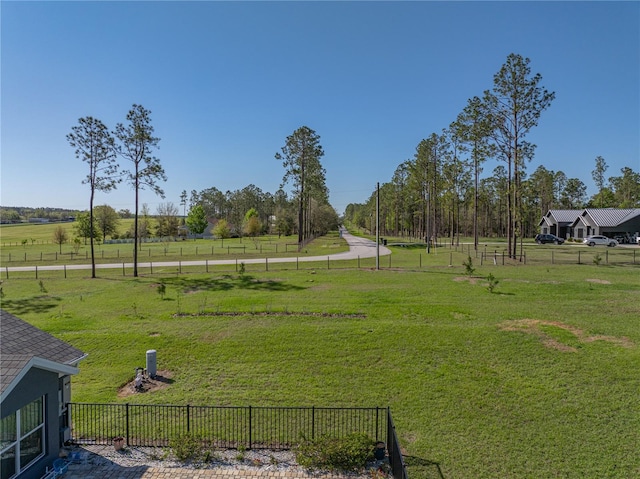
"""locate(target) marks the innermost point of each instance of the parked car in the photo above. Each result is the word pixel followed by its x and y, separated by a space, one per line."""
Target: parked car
pixel 542 239
pixel 624 238
pixel 599 240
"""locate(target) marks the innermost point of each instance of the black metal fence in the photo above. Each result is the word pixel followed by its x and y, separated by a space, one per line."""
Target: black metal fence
pixel 223 427
pixel 398 467
pixel 230 427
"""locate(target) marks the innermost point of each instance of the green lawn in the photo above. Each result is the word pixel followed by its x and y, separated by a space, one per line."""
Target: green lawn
pixel 537 379
pixel 33 245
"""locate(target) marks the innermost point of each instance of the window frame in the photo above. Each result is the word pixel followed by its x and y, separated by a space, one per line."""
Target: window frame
pixel 20 437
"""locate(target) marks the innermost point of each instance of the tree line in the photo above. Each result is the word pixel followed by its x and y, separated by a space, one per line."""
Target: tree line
pixel 248 211
pixel 440 193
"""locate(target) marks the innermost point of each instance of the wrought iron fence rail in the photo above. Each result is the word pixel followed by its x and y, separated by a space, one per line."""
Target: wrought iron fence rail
pixel 230 427
pixel 221 426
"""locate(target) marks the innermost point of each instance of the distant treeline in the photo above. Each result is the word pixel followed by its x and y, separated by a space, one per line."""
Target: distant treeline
pixel 24 214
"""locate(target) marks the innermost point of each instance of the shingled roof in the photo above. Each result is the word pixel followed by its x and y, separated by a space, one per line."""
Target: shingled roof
pixel 23 346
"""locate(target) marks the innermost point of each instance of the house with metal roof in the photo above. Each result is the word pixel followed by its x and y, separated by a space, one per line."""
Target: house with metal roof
pixel 558 222
pixel 606 221
pixel 35 388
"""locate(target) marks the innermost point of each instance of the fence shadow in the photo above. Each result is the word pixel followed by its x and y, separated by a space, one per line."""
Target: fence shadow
pixel 421 467
pixel 98 464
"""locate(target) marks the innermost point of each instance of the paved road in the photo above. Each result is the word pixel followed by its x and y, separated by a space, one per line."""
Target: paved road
pixel 358 248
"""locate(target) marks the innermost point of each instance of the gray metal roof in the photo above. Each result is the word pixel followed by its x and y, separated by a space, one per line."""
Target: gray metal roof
pixel 564 216
pixel 610 216
pixel 21 342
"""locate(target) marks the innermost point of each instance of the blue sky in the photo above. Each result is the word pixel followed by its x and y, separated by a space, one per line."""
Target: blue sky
pixel 226 82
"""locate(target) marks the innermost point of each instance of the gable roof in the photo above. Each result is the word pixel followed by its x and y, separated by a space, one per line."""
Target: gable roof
pixel 560 216
pixel 564 216
pixel 23 346
pixel 609 216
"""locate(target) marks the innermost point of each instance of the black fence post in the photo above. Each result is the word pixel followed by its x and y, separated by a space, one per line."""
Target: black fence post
pixel 250 426
pixel 188 418
pixel 127 422
pixel 313 422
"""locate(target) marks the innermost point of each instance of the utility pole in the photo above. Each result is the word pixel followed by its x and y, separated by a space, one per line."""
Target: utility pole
pixel 378 225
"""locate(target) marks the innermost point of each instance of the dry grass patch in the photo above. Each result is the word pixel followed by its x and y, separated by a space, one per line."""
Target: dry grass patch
pixel 598 281
pixel 541 329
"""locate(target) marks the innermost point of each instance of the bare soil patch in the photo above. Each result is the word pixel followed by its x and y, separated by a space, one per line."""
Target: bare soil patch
pixel 162 380
pixel 598 281
pixel 532 326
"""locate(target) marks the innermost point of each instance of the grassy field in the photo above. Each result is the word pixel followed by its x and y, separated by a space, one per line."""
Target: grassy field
pixel 537 379
pixel 31 245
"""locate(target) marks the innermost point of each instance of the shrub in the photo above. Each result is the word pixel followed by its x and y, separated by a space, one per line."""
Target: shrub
pixel 162 290
pixel 186 447
pixel 350 453
pixel 492 282
pixel 469 269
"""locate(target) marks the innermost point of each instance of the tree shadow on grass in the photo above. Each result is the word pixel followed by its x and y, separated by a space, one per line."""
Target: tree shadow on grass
pixel 228 282
pixel 36 304
pixel 427 469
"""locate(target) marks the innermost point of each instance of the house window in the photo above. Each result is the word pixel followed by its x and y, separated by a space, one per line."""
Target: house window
pixel 21 438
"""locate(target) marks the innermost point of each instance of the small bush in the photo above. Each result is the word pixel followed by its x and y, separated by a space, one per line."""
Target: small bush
pixel 350 453
pixel 492 282
pixel 162 290
pixel 597 259
pixel 186 447
pixel 469 269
